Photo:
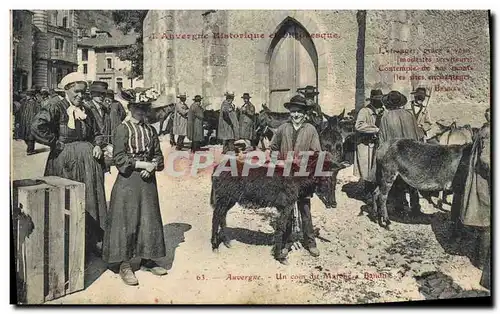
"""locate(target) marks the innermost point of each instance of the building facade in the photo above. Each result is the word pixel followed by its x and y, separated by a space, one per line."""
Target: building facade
pixel 271 53
pixel 98 59
pixel 55 46
pixel 22 49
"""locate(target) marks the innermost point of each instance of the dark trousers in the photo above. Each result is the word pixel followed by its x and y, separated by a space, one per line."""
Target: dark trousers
pixel 31 146
pixel 172 139
pixel 180 142
pixel 304 207
pixel 228 146
pixel 195 146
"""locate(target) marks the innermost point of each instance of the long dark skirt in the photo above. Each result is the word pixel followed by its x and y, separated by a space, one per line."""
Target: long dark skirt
pixel 134 227
pixel 75 162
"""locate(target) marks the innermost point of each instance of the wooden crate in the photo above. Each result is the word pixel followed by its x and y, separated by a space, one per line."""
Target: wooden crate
pixel 49 233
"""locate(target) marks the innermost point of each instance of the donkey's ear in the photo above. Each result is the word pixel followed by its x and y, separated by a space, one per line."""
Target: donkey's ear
pixel 341 116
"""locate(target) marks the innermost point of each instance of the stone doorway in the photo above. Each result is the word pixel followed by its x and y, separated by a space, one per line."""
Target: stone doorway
pixel 293 63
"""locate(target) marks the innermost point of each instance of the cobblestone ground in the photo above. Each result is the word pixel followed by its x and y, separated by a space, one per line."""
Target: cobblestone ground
pixel 359 263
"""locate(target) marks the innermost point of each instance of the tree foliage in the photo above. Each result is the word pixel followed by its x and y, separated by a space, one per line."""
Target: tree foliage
pixel 131 21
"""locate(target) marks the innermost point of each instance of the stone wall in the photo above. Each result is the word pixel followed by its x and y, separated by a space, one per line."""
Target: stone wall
pixel 209 66
pixel 431 35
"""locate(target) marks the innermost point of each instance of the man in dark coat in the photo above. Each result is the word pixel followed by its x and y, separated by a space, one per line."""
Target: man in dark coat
pixel 30 106
pixel 247 120
pixel 398 123
pixel 229 128
pixel 97 106
pixel 298 136
pixel 367 123
pixel 195 123
pixel 116 110
pixel 180 120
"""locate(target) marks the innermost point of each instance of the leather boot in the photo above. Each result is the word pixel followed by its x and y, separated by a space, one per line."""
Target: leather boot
pixel 127 274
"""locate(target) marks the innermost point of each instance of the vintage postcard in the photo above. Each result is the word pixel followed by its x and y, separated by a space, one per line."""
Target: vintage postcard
pixel 250 156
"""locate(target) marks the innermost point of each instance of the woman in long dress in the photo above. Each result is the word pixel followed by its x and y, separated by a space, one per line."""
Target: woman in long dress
pixel 75 143
pixel 134 227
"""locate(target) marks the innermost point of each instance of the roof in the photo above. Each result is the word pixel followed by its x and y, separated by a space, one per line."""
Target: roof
pixel 108 42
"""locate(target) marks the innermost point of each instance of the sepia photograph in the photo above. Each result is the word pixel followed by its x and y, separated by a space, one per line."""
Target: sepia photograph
pixel 250 157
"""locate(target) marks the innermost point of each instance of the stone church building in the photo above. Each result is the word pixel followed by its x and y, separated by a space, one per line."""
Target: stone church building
pixel 271 53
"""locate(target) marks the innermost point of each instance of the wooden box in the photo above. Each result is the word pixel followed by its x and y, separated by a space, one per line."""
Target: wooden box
pixel 49 237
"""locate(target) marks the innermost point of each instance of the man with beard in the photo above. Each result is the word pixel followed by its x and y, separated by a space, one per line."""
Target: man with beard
pixel 297 136
pixel 74 139
pixel 367 127
pixel 420 111
pixel 229 128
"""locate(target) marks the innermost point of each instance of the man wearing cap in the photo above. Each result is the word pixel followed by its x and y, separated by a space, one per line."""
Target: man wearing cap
pixel 420 111
pixel 367 127
pixel 116 111
pixel 398 123
pixel 247 120
pixel 73 136
pixel 195 123
pixel 229 128
pixel 298 136
pixel 100 110
pixel 180 120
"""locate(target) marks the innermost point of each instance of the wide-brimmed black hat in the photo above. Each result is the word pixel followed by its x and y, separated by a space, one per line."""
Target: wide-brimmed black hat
pixel 230 95
pixel 420 91
pixel 375 94
pixel 110 92
pixel 246 95
pixel 310 90
pixel 296 101
pixel 98 87
pixel 183 95
pixel 394 99
pixel 197 98
pixel 126 95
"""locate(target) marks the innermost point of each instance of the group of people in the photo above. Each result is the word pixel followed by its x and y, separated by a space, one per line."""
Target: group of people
pixel 388 117
pixel 80 131
pixel 235 123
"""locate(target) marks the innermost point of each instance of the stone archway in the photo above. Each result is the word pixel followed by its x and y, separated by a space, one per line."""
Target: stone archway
pixel 306 21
